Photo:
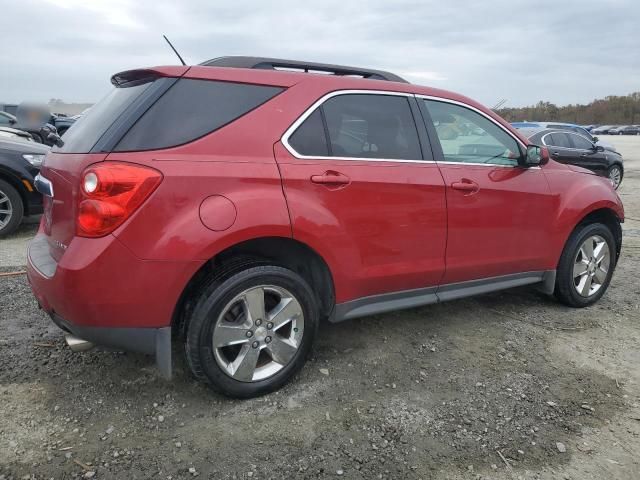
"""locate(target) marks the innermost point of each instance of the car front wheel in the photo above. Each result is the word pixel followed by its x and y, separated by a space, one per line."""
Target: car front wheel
pixel 11 208
pixel 249 334
pixel 615 175
pixel 586 265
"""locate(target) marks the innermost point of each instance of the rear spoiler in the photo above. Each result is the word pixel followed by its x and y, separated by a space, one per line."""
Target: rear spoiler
pixel 131 78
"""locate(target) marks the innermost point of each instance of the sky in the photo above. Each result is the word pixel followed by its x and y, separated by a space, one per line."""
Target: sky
pixel 562 51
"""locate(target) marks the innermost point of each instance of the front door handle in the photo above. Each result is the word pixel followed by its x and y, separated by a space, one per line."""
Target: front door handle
pixel 466 185
pixel 555 154
pixel 330 178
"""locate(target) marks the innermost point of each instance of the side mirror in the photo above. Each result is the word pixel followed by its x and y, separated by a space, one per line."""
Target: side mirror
pixel 536 156
pixel 12 121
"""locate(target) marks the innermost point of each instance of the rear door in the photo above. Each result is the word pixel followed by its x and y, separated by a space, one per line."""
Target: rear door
pixel 498 211
pixel 363 190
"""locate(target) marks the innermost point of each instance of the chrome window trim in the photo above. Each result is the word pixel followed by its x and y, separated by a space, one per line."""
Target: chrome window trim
pixel 294 126
pixel 565 148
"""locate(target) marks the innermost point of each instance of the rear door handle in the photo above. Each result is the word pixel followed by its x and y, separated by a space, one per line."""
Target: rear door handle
pixel 331 177
pixel 466 185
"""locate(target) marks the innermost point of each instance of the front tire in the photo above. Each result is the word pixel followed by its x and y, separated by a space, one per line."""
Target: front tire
pixel 586 265
pixel 250 333
pixel 11 208
pixel 615 174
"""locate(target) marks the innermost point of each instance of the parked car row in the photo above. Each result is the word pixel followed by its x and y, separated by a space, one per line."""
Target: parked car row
pixel 35 119
pixel 617 130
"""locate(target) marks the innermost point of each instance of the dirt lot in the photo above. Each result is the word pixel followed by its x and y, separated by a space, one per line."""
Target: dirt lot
pixel 504 386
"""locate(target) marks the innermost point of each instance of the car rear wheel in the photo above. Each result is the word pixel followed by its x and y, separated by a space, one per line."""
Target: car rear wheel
pixel 249 334
pixel 615 175
pixel 11 208
pixel 586 265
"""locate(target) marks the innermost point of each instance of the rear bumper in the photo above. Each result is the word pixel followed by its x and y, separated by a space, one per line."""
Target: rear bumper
pixel 101 292
pixel 151 341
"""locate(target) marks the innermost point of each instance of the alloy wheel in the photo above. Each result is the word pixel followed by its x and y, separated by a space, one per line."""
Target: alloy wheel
pixel 615 175
pixel 258 333
pixel 591 265
pixel 6 210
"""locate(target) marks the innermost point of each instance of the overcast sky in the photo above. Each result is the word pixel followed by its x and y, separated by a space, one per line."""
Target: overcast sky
pixel 561 51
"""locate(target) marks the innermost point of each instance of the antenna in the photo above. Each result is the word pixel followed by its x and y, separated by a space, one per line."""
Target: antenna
pixel 174 49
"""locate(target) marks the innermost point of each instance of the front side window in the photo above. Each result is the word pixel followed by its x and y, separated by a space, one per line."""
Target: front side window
pixel 581 142
pixel 360 126
pixel 469 137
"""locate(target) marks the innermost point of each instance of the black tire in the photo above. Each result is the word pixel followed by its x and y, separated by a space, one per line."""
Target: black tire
pixel 566 290
pixel 610 172
pixel 213 299
pixel 17 208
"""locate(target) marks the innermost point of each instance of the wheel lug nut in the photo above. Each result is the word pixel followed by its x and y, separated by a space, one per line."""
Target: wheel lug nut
pixel 255 344
pixel 258 322
pixel 267 340
pixel 269 326
pixel 249 334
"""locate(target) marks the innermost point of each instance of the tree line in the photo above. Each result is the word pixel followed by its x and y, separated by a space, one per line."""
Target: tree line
pixel 612 110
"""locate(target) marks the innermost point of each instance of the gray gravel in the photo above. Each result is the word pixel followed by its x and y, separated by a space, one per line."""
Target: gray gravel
pixel 508 385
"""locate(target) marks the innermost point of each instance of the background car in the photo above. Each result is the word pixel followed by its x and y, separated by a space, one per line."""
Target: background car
pixel 625 130
pixel 38 132
pixel 602 130
pixel 20 162
pixel 571 148
pixel 14 134
pixel 569 127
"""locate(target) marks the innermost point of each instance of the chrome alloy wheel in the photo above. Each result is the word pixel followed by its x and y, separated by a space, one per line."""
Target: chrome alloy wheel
pixel 6 209
pixel 258 333
pixel 591 265
pixel 615 175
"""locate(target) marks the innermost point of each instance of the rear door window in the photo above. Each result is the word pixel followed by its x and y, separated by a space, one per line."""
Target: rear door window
pixel 191 109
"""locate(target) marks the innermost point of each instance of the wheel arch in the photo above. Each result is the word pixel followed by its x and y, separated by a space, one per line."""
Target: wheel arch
pixel 282 251
pixel 608 217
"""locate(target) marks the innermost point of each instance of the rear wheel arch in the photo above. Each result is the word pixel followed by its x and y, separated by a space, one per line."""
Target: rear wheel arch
pixel 279 251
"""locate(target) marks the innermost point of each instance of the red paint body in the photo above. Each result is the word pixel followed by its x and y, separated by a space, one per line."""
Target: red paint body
pixel 392 227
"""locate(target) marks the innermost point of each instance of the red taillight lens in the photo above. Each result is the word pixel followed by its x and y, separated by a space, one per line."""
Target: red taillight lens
pixel 109 193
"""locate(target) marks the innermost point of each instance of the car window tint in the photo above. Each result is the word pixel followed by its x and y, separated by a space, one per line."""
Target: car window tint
pixel 193 108
pixel 580 142
pixel 469 137
pixel 371 126
pixel 309 139
pixel 558 139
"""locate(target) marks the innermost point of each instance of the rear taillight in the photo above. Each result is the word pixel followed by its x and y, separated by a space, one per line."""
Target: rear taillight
pixel 109 193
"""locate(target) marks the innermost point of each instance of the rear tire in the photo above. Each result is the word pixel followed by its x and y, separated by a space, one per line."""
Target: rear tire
pixel 586 265
pixel 250 333
pixel 11 209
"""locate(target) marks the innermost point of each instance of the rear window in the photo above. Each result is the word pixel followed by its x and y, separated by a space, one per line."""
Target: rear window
pixel 191 109
pixel 85 133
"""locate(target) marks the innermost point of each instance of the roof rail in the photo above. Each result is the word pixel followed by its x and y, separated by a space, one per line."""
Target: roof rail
pixel 265 63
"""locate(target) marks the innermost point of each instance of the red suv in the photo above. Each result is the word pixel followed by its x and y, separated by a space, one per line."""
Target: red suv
pixel 233 205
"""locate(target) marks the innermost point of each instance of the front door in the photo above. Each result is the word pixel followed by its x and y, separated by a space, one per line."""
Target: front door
pixel 498 212
pixel 364 192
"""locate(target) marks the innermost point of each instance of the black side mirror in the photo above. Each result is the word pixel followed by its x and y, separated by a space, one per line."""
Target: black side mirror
pixel 12 121
pixel 535 156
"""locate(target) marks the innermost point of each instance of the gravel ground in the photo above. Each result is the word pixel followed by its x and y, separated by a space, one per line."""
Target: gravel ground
pixel 503 386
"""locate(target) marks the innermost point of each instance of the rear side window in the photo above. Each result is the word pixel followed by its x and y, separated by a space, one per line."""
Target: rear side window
pixel 85 133
pixel 309 138
pixel 558 140
pixel 360 126
pixel 191 109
